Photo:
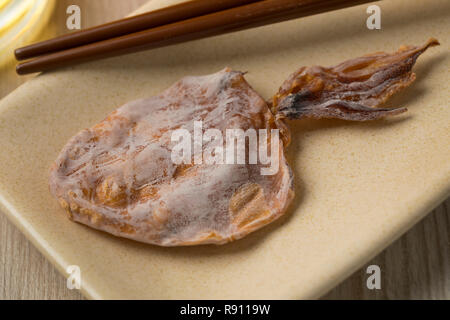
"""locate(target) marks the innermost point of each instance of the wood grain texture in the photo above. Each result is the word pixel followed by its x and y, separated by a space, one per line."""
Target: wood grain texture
pixel 417 266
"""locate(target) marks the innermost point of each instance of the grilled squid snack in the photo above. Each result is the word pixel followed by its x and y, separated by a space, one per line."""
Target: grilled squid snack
pixel 119 176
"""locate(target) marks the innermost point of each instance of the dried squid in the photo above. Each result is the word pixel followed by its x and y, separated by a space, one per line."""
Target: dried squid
pixel 120 175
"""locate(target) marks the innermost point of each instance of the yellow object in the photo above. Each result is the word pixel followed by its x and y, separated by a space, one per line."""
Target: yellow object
pixel 21 21
pixel 4 3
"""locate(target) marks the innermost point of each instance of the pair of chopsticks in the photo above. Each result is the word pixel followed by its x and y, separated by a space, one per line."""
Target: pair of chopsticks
pixel 183 22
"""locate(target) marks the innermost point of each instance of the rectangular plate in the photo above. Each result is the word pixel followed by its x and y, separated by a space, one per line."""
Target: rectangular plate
pixel 358 185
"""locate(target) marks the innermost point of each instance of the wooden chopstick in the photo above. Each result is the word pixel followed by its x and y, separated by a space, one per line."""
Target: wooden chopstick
pixel 234 19
pixel 126 26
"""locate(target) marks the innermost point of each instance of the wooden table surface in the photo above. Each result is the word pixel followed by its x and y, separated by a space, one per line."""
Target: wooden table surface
pixel 416 266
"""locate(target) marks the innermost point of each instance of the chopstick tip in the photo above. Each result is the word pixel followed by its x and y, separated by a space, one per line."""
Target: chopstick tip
pixel 18 54
pixel 20 70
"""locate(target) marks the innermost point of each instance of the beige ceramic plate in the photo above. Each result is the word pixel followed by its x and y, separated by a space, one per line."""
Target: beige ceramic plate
pixel 359 185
